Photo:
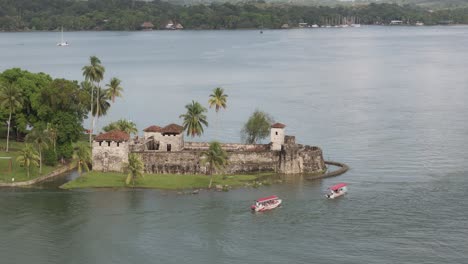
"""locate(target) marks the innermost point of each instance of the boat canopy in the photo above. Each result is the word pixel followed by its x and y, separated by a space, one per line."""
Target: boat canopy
pixel 269 198
pixel 338 186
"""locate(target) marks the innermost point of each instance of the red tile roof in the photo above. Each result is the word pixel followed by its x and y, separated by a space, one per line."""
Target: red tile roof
pixel 114 135
pixel 153 129
pixel 278 125
pixel 173 129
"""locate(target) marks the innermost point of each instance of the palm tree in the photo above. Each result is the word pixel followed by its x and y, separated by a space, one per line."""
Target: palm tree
pixel 194 119
pixel 88 87
pixel 52 131
pixel 114 89
pixel 82 158
pixel 42 139
pixel 94 73
pixel 134 168
pixel 123 125
pixel 218 99
pixel 11 99
pixel 102 103
pixel 216 157
pixel 27 157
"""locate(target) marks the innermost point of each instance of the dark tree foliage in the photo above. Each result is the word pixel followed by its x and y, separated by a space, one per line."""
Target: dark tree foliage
pixel 48 103
pixel 50 157
pixel 65 151
pixel 130 14
pixel 257 127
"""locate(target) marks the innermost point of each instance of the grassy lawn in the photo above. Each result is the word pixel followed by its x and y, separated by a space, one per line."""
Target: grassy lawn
pixel 14 146
pixel 159 181
pixel 18 172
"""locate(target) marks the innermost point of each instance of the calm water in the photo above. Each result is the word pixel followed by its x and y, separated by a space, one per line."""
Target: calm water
pixel 389 101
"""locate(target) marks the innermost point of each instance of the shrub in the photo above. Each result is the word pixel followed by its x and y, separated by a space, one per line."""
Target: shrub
pixel 65 151
pixel 49 157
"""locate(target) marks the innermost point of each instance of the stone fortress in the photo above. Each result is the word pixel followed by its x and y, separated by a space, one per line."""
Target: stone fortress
pixel 163 150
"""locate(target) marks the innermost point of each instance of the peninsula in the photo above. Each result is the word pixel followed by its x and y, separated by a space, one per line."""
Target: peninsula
pixel 167 156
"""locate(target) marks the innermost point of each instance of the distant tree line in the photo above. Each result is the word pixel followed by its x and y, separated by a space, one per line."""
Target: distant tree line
pixel 21 15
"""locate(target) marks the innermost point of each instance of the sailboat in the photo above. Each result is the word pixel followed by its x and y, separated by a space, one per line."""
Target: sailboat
pixel 62 43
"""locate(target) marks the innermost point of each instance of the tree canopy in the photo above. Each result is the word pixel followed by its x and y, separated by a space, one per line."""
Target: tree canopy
pixel 218 99
pixel 257 127
pixel 194 119
pixel 122 125
pixel 56 105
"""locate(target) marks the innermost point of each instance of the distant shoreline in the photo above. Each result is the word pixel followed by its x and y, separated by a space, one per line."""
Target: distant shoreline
pixel 227 29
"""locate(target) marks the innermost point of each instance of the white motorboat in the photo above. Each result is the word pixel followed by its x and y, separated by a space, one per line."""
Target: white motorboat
pixel 337 191
pixel 266 203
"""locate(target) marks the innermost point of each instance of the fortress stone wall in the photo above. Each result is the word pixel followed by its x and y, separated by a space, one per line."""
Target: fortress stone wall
pixel 281 155
pixel 109 155
pixel 190 162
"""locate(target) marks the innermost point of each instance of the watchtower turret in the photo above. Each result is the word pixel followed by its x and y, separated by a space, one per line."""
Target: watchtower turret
pixel 277 136
pixel 110 151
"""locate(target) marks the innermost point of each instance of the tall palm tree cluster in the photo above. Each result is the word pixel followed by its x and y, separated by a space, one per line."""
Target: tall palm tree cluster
pixel 194 119
pixel 94 74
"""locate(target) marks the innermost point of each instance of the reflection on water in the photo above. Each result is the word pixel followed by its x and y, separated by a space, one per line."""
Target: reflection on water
pixel 390 102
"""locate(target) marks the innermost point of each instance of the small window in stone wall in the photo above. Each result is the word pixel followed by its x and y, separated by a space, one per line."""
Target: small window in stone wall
pixel 108 143
pixel 100 143
pixel 276 132
pixel 118 144
pixel 169 147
